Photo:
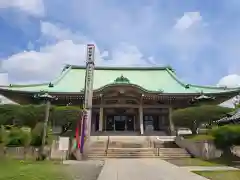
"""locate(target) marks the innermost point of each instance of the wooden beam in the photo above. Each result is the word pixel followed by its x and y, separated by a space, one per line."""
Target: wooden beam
pixel 129 106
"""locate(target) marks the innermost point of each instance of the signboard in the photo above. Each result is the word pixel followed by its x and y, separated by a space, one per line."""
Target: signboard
pixel 63 143
pixel 89 76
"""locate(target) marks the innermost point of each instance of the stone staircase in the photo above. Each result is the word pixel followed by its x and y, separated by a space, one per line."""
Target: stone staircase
pixel 172 153
pixel 97 150
pixel 131 153
pixel 126 147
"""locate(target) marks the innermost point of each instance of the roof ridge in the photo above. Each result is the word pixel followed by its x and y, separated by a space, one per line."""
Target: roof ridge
pixel 123 68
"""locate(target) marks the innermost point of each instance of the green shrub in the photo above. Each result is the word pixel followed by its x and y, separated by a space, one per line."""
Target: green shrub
pixel 200 137
pixel 17 137
pixel 226 136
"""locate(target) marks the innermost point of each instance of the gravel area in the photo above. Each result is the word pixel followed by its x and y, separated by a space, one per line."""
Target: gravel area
pixel 84 170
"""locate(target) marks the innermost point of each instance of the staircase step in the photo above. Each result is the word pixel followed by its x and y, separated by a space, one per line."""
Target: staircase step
pixel 119 147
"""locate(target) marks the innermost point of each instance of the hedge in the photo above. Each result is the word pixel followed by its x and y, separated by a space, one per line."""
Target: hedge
pixel 226 136
pixel 201 114
pixel 30 115
pixel 17 137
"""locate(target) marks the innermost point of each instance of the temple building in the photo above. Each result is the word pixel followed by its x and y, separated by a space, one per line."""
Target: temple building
pixel 138 99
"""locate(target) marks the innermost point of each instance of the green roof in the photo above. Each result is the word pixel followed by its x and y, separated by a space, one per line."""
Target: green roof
pixel 149 79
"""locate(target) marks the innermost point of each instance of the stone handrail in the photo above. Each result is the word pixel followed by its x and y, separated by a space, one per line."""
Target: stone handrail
pixel 107 145
pixel 204 149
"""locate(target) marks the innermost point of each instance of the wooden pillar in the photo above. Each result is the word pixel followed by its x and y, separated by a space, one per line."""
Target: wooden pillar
pixel 101 115
pixel 141 117
pixel 101 119
pixel 171 124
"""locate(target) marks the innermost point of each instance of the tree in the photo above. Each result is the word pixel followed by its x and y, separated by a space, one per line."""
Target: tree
pixel 30 115
pixel 201 114
pixel 225 137
pixel 37 134
pixel 2 135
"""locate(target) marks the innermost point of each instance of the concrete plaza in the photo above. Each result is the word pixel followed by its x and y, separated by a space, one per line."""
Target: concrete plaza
pixel 144 169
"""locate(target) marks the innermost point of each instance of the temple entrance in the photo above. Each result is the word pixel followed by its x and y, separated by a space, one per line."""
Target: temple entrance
pixel 110 123
pixel 130 123
pixel 151 123
pixel 120 123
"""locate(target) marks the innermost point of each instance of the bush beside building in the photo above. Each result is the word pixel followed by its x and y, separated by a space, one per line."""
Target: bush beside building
pixel 199 115
pixel 30 115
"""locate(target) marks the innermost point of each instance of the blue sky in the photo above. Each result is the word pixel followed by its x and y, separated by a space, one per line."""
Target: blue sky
pixel 199 39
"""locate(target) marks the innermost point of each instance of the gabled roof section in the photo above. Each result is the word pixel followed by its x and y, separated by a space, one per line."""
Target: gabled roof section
pixel 148 79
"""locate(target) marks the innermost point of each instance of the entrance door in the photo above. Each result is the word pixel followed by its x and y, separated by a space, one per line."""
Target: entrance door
pixel 148 123
pixel 109 123
pixel 130 123
pixel 120 122
pixel 156 123
pixel 97 122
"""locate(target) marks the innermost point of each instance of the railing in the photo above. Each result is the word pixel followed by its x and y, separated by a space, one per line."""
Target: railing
pixel 106 150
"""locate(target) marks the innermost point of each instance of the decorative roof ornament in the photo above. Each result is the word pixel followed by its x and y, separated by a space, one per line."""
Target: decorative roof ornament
pixel 187 86
pixel 201 98
pixel 204 97
pixel 50 84
pixel 171 69
pixel 82 90
pixel 44 95
pixel 67 66
pixel 161 90
pixel 122 80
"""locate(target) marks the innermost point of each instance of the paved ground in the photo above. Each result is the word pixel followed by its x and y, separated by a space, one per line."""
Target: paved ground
pixel 84 170
pixel 209 168
pixel 144 169
pixel 135 169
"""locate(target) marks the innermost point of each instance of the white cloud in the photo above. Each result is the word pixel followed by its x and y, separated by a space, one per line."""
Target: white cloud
pixel 125 55
pixel 59 33
pixel 188 20
pixel 232 80
pixel 33 7
pixel 69 49
pixel 4 79
pixel 188 37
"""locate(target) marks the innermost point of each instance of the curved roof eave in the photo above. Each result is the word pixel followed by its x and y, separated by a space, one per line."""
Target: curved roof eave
pixel 200 89
pixel 46 84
